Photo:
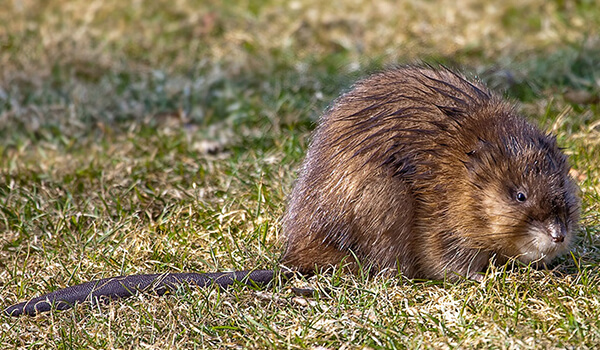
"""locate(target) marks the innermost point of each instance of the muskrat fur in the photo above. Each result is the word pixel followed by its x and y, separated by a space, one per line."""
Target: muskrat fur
pixel 424 171
pixel 416 170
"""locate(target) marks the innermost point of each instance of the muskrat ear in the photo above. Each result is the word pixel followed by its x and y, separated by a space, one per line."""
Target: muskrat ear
pixel 476 156
pixel 478 148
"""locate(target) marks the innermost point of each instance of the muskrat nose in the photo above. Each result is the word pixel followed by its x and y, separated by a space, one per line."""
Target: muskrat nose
pixel 557 230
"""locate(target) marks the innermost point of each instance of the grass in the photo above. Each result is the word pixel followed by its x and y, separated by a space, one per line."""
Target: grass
pixel 164 136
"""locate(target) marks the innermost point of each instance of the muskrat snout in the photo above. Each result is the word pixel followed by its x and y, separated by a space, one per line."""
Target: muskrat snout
pixel 557 230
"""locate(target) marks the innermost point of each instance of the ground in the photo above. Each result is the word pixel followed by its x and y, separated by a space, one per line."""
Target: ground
pixel 164 136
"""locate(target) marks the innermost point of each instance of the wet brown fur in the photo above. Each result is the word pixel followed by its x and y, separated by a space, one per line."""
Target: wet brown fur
pixel 417 169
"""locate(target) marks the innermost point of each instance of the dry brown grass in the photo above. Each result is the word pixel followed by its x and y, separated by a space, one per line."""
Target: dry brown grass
pixel 174 34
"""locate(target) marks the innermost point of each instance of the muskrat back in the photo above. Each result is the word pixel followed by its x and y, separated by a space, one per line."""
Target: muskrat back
pixel 422 170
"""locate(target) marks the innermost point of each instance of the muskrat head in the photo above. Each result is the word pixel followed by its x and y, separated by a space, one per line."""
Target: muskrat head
pixel 527 201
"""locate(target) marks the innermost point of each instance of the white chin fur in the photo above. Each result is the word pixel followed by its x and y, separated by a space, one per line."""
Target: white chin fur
pixel 538 246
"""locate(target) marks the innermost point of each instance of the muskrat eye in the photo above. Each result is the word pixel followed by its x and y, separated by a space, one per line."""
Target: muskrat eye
pixel 521 197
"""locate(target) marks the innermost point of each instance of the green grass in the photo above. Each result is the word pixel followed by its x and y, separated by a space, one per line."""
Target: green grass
pixel 140 137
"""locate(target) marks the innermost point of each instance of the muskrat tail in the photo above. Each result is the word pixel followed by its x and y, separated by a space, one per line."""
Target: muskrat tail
pixel 107 289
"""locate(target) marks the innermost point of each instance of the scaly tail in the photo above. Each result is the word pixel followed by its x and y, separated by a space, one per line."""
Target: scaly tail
pixel 125 286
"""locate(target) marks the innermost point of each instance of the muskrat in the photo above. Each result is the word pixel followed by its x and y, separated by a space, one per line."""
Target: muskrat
pixel 424 171
pixel 415 169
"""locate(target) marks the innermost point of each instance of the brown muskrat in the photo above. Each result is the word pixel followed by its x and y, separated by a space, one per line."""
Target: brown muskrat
pixel 416 170
pixel 424 171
